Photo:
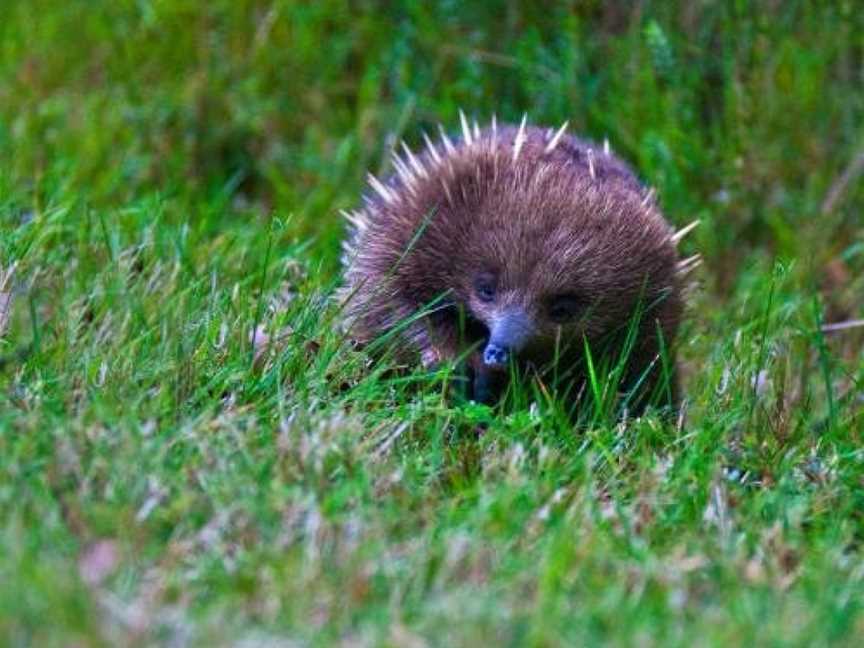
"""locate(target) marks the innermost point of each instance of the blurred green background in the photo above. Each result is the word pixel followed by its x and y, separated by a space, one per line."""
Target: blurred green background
pixel 742 113
pixel 170 178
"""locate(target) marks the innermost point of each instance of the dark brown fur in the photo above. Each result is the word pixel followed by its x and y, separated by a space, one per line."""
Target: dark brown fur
pixel 571 225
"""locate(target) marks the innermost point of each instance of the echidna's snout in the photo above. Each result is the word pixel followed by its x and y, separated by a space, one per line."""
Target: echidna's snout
pixel 510 329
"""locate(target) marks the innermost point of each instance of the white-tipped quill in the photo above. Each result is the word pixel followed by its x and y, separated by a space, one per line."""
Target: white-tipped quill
pixel 415 163
pixel 356 219
pixel 649 197
pixel 431 148
pixel 556 138
pixel 684 231
pixel 520 138
pixel 466 129
pixel 688 265
pixel 383 191
pixel 448 145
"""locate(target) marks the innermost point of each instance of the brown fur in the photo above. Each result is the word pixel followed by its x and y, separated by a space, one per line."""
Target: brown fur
pixel 536 223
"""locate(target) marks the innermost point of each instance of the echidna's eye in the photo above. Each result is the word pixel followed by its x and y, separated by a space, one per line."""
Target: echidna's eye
pixel 485 286
pixel 564 308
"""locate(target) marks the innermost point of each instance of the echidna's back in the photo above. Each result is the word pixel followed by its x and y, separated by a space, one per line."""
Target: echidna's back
pixel 582 153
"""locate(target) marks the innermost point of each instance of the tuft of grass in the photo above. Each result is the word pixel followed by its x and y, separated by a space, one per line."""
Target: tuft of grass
pixel 192 454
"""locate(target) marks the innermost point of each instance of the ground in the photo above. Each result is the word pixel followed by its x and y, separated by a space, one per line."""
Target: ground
pixel 170 179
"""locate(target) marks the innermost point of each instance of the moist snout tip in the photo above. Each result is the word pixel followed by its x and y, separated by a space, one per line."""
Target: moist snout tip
pixel 495 355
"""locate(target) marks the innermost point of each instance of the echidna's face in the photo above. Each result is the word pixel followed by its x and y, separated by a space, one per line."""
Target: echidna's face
pixel 522 322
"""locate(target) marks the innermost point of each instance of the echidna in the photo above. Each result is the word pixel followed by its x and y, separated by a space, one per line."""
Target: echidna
pixel 517 244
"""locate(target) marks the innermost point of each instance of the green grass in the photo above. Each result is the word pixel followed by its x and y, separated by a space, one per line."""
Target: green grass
pixel 170 177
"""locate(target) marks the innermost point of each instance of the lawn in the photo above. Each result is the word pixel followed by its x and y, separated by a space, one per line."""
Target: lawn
pixel 171 173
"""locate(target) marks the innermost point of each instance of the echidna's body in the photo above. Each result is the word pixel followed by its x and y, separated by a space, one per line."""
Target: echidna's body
pixel 520 243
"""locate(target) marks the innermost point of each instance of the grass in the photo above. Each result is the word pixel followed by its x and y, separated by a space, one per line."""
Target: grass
pixel 170 178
